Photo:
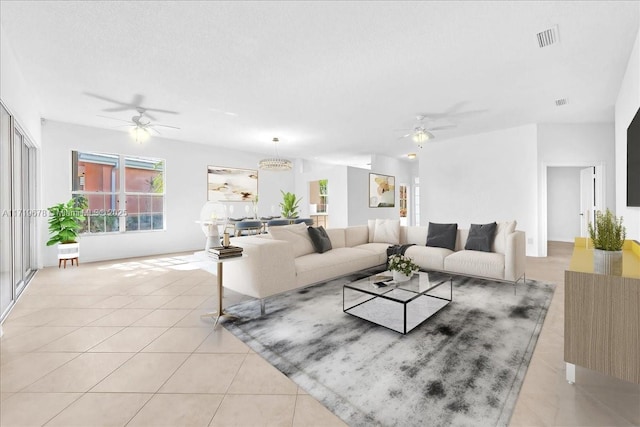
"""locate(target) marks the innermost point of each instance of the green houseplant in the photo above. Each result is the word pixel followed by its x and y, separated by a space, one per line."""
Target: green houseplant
pixel 402 267
pixel 289 205
pixel 65 220
pixel 608 236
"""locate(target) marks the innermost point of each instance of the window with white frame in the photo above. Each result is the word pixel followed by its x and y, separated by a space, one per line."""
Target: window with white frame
pixel 123 193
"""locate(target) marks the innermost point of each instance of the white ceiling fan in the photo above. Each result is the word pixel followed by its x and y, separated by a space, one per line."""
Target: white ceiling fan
pixel 421 133
pixel 141 125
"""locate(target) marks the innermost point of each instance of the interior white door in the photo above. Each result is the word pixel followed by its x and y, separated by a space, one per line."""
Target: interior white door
pixel 587 199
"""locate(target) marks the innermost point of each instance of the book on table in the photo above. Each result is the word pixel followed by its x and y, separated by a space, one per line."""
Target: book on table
pixel 221 250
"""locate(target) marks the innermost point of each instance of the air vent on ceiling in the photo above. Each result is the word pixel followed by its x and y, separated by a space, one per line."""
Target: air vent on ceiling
pixel 548 37
pixel 560 102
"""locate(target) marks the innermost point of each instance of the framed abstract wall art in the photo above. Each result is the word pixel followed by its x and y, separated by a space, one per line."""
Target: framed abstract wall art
pixel 231 184
pixel 382 191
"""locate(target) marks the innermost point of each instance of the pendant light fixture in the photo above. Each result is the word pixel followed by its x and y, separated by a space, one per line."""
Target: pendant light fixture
pixel 275 163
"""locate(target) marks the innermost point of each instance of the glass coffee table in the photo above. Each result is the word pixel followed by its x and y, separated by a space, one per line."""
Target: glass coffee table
pixel 400 307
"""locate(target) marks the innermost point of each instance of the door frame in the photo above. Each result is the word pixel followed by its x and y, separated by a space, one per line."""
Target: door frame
pixel 543 214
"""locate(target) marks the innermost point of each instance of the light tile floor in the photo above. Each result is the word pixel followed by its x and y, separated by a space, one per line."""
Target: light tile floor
pixel 122 343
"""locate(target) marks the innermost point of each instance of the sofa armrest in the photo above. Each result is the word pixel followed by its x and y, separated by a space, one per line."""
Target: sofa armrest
pixel 515 256
pixel 268 269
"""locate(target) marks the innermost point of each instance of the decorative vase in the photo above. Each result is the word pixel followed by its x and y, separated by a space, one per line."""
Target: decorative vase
pixel 607 262
pixel 399 277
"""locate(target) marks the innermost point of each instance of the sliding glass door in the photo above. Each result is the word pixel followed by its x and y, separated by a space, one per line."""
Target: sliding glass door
pixel 17 211
pixel 6 258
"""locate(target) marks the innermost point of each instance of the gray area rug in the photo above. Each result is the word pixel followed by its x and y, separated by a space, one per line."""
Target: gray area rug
pixel 464 366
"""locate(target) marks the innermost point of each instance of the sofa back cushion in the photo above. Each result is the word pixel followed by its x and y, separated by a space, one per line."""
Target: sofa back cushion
pixel 461 239
pixel 502 231
pixel 336 235
pixel 356 235
pixel 295 234
pixel 413 235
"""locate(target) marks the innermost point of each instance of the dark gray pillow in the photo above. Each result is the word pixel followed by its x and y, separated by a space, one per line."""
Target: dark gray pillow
pixel 480 237
pixel 442 235
pixel 320 239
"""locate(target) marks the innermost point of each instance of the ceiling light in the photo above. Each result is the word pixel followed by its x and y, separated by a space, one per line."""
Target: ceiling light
pixel 421 135
pixel 140 133
pixel 412 156
pixel 275 163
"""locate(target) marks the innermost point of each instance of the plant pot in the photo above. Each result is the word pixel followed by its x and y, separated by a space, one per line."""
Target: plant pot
pixel 398 277
pixel 68 251
pixel 607 262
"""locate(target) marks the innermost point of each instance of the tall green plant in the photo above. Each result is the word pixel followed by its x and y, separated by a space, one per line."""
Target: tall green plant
pixel 65 219
pixel 608 233
pixel 289 204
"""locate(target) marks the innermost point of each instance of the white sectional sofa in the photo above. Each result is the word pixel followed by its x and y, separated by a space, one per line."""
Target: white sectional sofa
pixel 278 265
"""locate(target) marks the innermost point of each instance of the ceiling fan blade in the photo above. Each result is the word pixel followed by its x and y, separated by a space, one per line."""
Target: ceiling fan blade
pixel 442 127
pixel 113 118
pixel 164 126
pixel 104 98
pixel 147 115
pixel 137 100
pixel 158 110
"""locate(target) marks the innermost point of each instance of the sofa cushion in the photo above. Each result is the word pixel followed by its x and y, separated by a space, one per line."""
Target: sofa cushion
pixel 315 267
pixel 442 235
pixel 387 231
pixel 481 237
pixel 413 234
pixel 476 263
pixel 356 235
pixel 379 249
pixel 297 235
pixel 336 235
pixel 428 258
pixel 503 229
pixel 320 239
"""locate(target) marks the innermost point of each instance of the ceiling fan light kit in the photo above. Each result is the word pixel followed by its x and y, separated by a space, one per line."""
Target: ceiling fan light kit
pixel 140 133
pixel 275 163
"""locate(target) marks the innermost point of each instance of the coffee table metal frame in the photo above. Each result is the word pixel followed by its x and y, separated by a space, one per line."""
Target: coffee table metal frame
pixel 385 293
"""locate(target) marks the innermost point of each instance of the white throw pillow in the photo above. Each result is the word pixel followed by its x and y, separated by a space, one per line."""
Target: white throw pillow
pixel 295 234
pixel 502 231
pixel 387 231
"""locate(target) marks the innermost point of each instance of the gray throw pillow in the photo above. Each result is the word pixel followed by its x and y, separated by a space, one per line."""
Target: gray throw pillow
pixel 442 235
pixel 320 239
pixel 480 237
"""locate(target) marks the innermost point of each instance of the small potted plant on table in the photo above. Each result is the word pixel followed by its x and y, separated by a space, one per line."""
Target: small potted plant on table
pixel 402 267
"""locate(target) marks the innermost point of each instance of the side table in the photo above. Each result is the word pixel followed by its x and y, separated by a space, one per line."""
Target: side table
pixel 202 255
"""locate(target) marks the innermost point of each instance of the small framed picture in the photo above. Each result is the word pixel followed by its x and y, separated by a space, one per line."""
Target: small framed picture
pixel 382 191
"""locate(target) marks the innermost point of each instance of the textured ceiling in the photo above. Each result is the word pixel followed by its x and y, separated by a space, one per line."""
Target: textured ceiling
pixel 333 80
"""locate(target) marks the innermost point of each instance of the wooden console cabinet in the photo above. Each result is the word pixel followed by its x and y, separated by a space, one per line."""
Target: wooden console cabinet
pixel 602 315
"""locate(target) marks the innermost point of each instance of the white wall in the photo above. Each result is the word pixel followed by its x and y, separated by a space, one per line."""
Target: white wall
pixel 16 94
pixel 482 178
pixel 563 203
pixel 574 144
pixel 185 187
pixel 627 105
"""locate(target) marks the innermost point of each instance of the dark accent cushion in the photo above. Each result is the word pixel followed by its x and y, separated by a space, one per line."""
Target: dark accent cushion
pixel 320 239
pixel 480 237
pixel 442 235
